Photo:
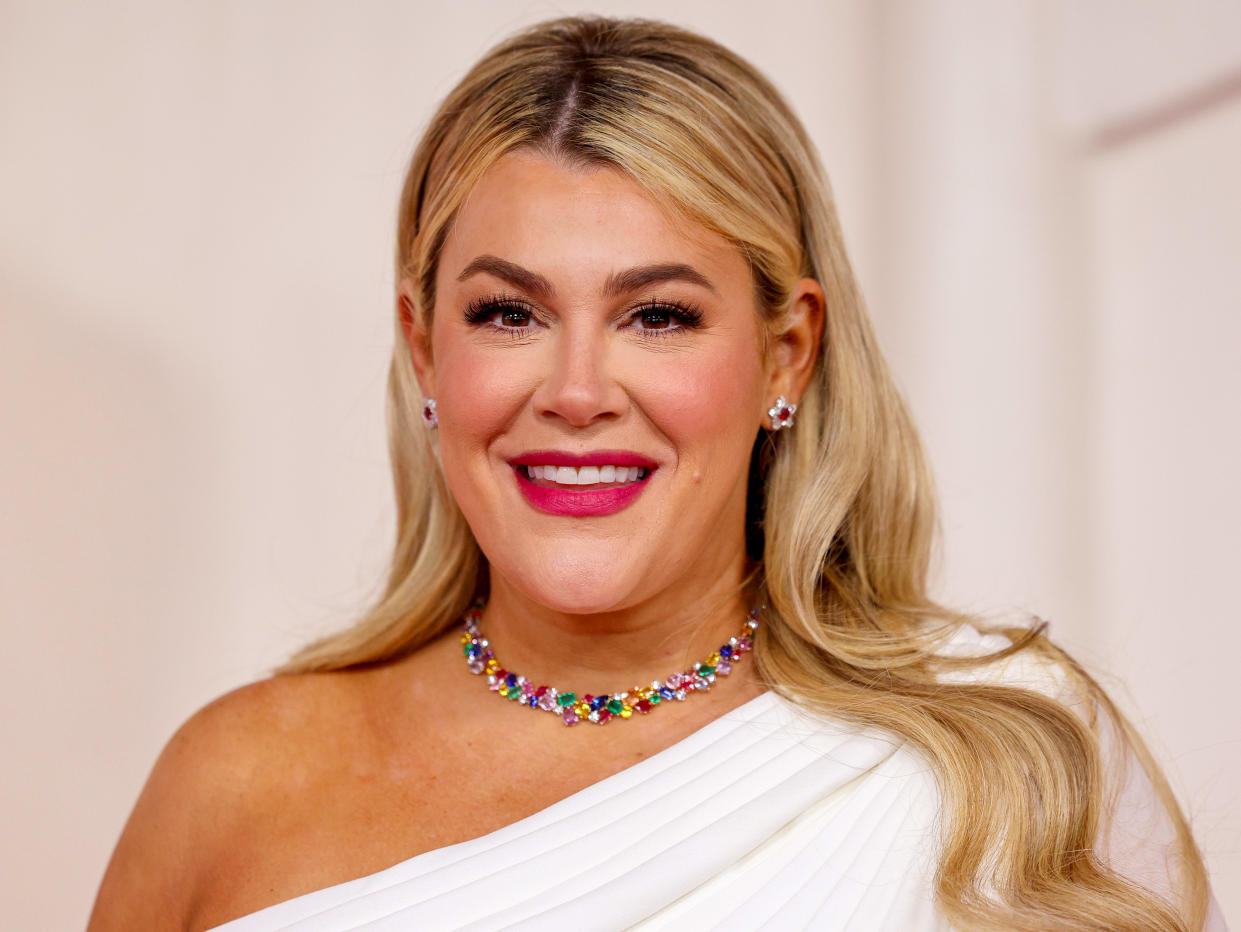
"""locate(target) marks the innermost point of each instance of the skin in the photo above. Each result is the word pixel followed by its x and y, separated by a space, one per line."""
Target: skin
pixel 300 782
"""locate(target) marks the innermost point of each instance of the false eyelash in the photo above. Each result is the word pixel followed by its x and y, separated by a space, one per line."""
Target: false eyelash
pixel 688 315
pixel 480 309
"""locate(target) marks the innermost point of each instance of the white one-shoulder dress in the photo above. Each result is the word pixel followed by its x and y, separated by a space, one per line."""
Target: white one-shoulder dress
pixel 766 818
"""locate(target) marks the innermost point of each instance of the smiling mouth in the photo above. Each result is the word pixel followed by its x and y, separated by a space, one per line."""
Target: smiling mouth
pixel 583 477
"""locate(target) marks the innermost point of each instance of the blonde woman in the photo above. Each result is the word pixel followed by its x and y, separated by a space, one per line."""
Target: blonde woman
pixel 656 649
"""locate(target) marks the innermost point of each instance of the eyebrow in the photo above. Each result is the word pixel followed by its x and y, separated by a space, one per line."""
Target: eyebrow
pixel 636 278
pixel 618 283
pixel 511 272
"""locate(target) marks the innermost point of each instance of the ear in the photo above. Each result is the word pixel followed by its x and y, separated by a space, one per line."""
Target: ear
pixel 417 337
pixel 795 349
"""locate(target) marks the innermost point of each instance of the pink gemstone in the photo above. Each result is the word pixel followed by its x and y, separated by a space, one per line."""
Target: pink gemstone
pixel 675 681
pixel 495 684
pixel 723 668
pixel 570 717
pixel 547 703
pixel 526 689
pixel 745 644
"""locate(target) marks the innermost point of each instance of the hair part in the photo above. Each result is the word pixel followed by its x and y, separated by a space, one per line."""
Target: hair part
pixel 842 509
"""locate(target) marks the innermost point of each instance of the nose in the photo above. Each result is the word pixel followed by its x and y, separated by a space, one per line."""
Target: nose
pixel 579 387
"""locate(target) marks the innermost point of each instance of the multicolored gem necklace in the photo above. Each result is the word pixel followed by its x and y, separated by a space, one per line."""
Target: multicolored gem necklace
pixel 601 709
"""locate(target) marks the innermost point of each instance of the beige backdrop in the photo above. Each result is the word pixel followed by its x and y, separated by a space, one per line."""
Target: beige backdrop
pixel 1041 198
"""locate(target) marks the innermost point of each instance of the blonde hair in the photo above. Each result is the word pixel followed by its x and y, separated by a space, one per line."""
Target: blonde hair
pixel 845 500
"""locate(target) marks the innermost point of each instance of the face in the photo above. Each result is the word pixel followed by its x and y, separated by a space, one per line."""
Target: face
pixel 599 372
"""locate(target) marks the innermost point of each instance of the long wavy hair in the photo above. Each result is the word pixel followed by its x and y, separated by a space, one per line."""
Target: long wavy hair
pixel 842 508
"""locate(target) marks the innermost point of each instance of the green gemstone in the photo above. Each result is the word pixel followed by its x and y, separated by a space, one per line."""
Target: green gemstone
pixel 566 699
pixel 654 698
pixel 706 670
pixel 515 692
pixel 615 706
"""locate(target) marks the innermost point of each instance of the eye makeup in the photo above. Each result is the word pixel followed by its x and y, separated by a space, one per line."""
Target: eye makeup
pixel 652 319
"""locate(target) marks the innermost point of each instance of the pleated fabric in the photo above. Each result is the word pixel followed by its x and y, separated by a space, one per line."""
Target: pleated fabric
pixel 765 818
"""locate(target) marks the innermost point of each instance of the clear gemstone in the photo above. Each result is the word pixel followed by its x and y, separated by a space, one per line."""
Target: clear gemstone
pixel 680 695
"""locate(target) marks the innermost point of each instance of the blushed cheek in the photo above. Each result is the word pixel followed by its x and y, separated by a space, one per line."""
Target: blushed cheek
pixel 705 407
pixel 480 397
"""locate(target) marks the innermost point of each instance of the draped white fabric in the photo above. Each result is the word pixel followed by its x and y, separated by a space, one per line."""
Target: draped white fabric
pixel 763 817
pixel 767 818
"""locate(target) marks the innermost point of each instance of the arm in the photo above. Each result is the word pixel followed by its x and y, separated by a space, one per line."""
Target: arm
pixel 193 801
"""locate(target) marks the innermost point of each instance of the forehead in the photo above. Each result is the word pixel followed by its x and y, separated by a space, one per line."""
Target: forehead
pixel 578 223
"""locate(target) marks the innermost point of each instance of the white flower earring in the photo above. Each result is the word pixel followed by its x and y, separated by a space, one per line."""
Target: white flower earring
pixel 429 417
pixel 781 414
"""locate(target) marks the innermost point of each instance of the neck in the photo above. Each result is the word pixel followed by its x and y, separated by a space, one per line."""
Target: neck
pixel 615 649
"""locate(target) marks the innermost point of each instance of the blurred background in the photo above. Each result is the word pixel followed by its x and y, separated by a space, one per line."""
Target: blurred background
pixel 1042 199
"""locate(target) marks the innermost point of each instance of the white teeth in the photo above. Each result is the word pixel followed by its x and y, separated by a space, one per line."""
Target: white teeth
pixel 586 475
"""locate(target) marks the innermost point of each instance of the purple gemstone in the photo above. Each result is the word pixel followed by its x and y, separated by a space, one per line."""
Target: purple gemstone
pixel 701 682
pixel 570 717
pixel 675 681
pixel 723 668
pixel 547 702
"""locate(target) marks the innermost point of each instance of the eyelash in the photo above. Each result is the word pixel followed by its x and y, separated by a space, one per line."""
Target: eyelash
pixel 686 316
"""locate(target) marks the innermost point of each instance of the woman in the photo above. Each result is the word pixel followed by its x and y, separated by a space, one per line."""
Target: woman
pixel 642 434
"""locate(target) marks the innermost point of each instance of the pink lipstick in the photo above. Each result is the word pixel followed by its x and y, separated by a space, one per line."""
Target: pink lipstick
pixel 604 491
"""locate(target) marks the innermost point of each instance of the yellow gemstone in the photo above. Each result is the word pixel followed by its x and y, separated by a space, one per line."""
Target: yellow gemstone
pixel 626 711
pixel 582 709
pixel 713 660
pixel 466 638
pixel 491 666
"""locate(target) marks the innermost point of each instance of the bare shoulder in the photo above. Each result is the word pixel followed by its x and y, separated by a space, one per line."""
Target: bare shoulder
pixel 220 771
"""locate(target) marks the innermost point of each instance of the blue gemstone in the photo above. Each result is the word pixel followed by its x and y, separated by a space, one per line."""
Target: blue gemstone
pixel 598 703
pixel 726 651
pixel 511 679
pixel 533 703
pixel 666 693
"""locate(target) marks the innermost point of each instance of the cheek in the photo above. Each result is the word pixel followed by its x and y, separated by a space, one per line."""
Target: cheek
pixel 479 396
pixel 705 404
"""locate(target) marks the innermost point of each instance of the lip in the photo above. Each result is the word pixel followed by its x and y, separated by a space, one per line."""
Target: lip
pixel 570 502
pixel 594 458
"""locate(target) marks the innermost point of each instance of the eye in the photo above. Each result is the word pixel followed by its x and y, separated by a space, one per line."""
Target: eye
pixel 656 319
pixel 665 318
pixel 501 314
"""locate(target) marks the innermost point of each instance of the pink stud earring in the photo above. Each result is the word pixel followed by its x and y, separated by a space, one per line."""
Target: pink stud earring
pixel 429 417
pixel 781 414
